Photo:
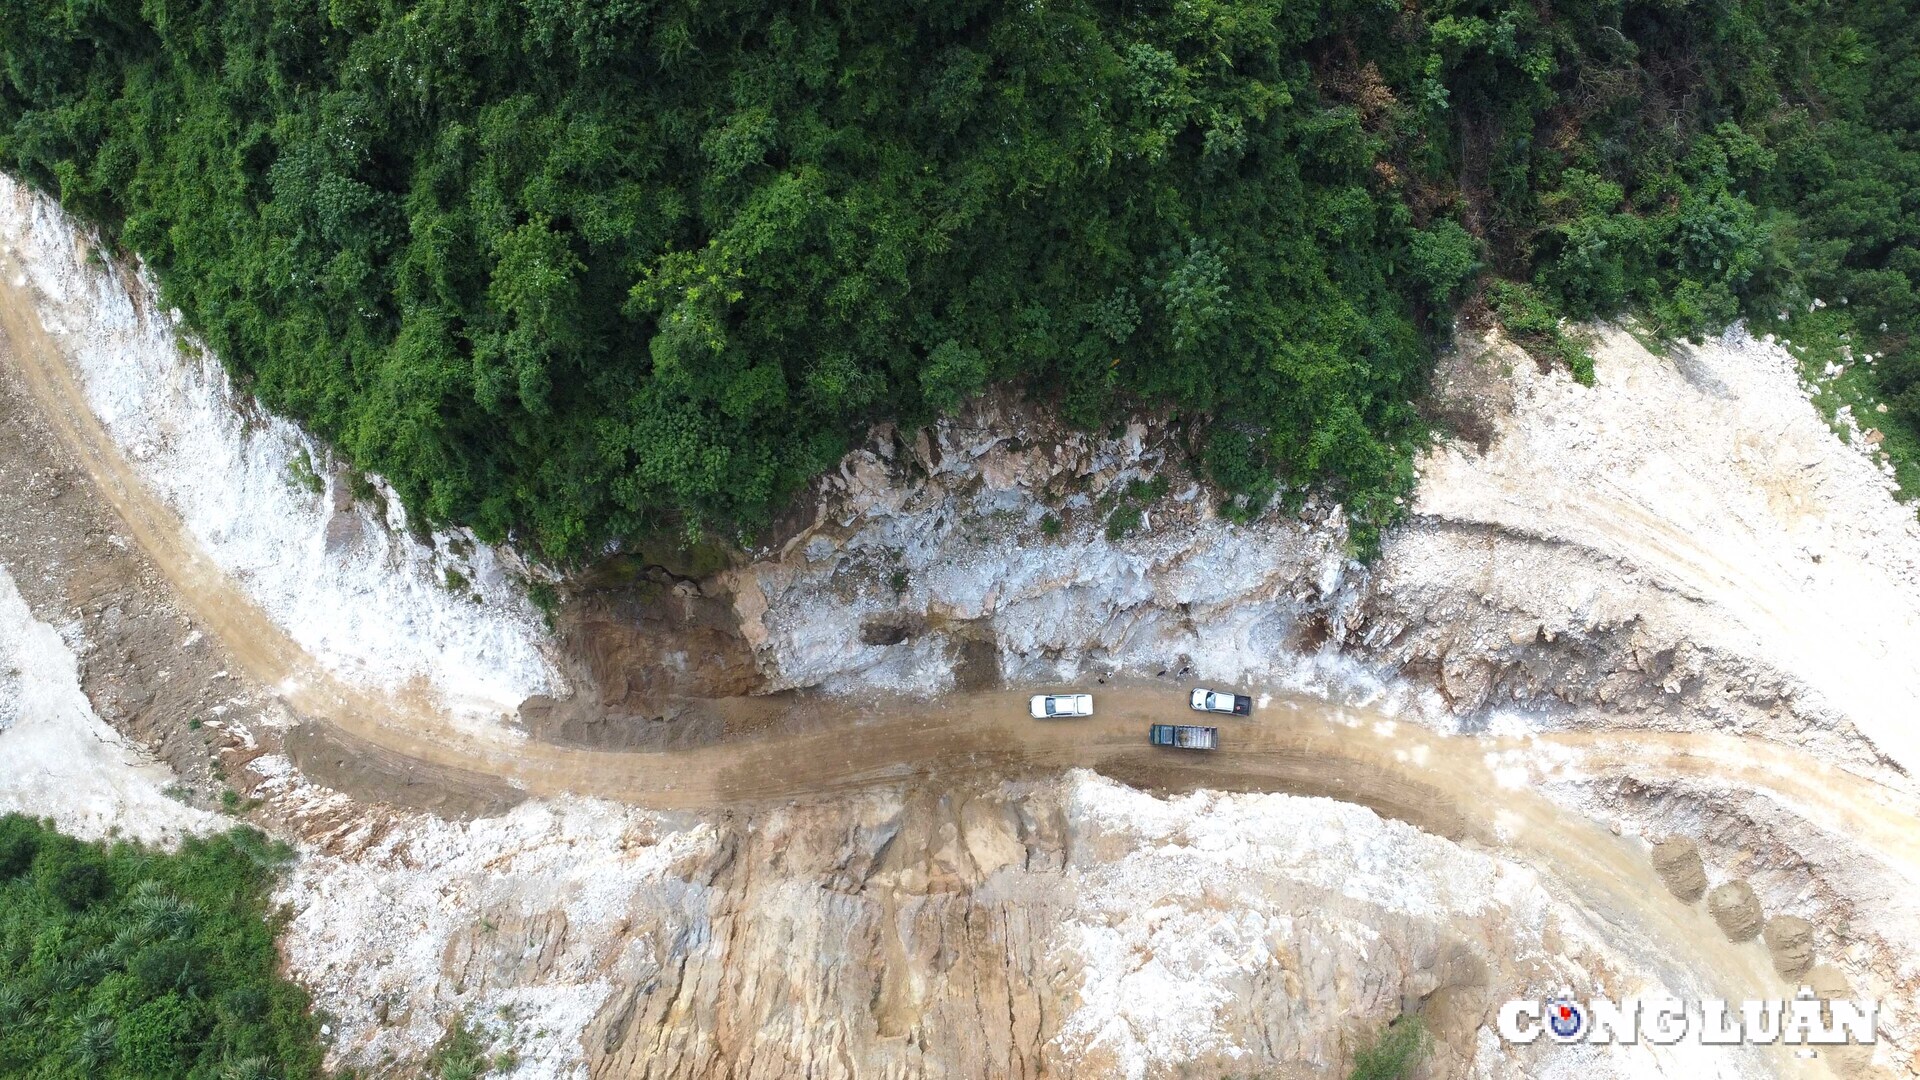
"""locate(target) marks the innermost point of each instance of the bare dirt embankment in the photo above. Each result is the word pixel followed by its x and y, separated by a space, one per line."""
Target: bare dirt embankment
pixel 919 851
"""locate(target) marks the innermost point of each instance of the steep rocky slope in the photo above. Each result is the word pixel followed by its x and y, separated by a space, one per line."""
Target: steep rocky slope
pixel 1684 547
pixel 1065 928
pixel 1072 927
pixel 325 553
pixel 1683 551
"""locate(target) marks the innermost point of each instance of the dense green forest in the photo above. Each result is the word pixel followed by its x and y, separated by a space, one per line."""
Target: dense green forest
pixel 122 961
pixel 579 271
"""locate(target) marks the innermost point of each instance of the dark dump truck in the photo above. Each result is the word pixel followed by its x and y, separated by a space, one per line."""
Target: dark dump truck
pixel 1184 736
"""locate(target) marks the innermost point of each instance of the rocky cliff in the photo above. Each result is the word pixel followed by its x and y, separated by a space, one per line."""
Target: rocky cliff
pixel 1682 553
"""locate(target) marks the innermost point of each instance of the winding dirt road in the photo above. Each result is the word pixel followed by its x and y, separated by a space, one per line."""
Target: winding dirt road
pixel 1463 788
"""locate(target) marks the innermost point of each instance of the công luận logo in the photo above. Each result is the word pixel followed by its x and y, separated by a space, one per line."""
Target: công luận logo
pixel 1565 1018
pixel 1802 1020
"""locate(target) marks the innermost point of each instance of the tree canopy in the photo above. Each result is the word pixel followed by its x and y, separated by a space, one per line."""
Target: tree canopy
pixel 578 271
pixel 122 961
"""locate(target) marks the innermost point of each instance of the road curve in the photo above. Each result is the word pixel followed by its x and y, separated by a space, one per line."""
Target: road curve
pixel 1451 786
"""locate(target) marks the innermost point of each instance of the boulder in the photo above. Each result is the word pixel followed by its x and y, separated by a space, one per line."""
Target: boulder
pixel 1789 940
pixel 1736 910
pixel 1827 982
pixel 1677 861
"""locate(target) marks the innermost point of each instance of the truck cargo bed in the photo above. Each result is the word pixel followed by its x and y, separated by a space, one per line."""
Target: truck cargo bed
pixel 1184 736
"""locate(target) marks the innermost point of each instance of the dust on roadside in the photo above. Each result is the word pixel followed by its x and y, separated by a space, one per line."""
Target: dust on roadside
pixel 147 668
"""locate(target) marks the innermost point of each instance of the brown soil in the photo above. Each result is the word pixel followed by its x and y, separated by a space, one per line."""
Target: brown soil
pixel 647 644
pixel 1471 390
pixel 1299 771
pixel 1828 982
pixel 372 773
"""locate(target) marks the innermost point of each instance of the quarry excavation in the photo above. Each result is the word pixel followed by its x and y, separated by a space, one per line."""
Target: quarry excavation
pixel 729 540
pixel 1617 710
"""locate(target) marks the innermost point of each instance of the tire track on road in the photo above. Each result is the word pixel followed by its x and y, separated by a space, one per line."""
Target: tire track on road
pixel 1443 784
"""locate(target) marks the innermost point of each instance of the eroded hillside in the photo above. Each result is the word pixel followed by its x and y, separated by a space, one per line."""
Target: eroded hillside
pixel 826 841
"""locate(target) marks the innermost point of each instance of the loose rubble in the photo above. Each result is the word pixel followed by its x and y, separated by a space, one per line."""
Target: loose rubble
pixel 60 760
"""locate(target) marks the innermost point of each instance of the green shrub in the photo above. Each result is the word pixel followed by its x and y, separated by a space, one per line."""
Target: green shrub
pixel 1398 1050
pixel 579 274
pixel 151 1039
pixel 19 842
pixel 75 878
pixel 1129 505
pixel 126 961
pixel 461 1055
pixel 952 374
pixel 1235 463
pixel 167 966
pixel 1534 325
pixel 1441 258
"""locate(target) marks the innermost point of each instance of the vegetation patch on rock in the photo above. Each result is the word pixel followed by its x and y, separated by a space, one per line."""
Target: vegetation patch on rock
pixel 121 960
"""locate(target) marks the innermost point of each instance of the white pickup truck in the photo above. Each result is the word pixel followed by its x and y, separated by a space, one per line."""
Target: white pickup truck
pixel 1050 706
pixel 1205 700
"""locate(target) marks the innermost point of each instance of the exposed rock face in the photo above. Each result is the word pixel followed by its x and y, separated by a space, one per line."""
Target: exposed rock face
pixel 644 652
pixel 1790 939
pixel 1574 570
pixel 1684 547
pixel 1736 910
pixel 925 550
pixel 1677 860
pixel 1071 928
pixel 830 939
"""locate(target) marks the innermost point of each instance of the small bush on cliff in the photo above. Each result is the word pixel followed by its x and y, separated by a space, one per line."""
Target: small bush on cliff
pixel 461 1055
pixel 1533 325
pixel 1401 1046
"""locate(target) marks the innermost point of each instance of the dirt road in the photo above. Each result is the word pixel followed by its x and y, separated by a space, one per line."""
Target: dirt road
pixel 1462 788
